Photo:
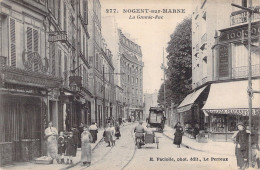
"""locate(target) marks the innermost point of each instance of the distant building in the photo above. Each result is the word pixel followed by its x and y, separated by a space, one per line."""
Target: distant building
pixel 150 100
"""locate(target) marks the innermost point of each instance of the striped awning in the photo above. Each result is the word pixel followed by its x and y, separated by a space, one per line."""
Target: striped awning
pixel 232 98
pixel 187 103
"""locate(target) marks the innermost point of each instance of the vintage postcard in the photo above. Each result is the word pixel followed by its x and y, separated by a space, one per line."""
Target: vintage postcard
pixel 129 84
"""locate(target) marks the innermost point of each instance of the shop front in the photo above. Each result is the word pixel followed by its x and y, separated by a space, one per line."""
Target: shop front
pixel 191 116
pixel 24 108
pixel 227 104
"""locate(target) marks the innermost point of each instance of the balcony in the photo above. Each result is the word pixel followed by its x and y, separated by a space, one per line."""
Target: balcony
pixel 242 72
pixel 239 17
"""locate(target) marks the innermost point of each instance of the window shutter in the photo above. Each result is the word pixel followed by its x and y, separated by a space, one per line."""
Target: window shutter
pixel 52 56
pixel 13 44
pixel 65 70
pixel 59 55
pixel 65 18
pixel 85 11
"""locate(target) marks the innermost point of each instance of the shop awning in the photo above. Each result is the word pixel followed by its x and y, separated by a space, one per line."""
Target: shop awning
pixel 187 103
pixel 232 98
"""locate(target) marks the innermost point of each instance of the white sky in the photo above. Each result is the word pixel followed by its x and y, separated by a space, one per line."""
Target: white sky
pixel 151 34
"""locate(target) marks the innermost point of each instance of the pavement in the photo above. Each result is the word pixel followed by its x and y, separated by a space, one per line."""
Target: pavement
pixel 76 160
pixel 221 148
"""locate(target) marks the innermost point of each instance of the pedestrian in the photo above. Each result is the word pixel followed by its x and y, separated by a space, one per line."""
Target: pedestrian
pixel 81 127
pixel 75 137
pixel 51 134
pixel 107 135
pixel 113 132
pixel 86 139
pixel 61 148
pixel 178 134
pixel 117 128
pixel 93 131
pixel 70 147
pixel 241 138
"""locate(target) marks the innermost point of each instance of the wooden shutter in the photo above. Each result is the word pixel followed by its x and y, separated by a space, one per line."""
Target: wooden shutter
pixel 52 56
pixel 85 11
pixel 13 43
pixel 65 18
pixel 35 48
pixel 59 55
pixel 65 70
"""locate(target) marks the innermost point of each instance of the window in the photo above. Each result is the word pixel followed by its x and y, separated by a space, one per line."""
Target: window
pixel 244 3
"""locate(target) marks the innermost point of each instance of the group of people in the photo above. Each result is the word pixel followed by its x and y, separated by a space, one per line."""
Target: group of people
pixel 111 132
pixel 64 145
pixel 241 140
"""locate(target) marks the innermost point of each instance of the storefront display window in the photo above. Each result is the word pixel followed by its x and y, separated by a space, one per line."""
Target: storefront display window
pixel 218 123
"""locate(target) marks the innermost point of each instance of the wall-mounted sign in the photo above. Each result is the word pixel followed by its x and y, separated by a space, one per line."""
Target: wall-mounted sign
pixel 223 61
pixel 58 36
pixel 235 33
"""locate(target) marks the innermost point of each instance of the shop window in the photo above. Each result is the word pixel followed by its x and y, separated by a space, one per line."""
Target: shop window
pixel 218 123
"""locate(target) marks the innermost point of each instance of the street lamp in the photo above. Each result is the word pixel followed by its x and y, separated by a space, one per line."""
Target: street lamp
pixel 250 91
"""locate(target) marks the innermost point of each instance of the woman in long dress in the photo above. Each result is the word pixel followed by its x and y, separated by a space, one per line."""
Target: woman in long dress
pixel 178 134
pixel 118 134
pixel 93 131
pixel 51 134
pixel 107 135
pixel 86 139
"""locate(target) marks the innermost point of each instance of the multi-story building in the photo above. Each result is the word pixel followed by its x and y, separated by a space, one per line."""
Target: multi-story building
pixel 111 35
pixel 44 66
pixel 220 68
pixel 102 67
pixel 132 81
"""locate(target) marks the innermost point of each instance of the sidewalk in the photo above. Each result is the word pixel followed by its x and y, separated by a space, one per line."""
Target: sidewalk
pixel 76 160
pixel 222 148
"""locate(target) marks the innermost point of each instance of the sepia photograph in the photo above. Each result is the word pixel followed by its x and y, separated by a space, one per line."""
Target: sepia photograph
pixel 129 84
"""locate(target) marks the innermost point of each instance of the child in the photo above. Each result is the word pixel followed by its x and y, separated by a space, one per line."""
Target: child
pixel 61 148
pixel 113 131
pixel 69 148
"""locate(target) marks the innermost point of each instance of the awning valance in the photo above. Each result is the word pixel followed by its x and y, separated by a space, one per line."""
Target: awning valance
pixel 187 103
pixel 232 98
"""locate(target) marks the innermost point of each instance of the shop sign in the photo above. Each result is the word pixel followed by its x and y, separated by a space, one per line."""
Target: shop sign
pixel 237 33
pixel 242 112
pixel 58 36
pixel 223 61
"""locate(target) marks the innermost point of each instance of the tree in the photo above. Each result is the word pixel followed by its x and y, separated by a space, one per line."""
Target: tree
pixel 179 70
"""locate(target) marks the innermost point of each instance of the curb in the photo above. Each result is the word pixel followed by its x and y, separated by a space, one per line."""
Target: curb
pixel 187 146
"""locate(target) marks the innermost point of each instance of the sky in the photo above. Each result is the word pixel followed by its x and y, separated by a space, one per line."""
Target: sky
pixel 152 35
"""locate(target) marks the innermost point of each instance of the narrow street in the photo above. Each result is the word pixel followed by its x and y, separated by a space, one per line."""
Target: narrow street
pixel 168 156
pixel 115 157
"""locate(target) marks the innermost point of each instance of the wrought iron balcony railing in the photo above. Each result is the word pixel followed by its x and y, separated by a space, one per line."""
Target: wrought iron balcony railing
pixel 242 72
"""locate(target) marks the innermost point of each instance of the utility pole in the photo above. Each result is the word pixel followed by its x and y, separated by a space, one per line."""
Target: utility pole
pixel 164 92
pixel 250 91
